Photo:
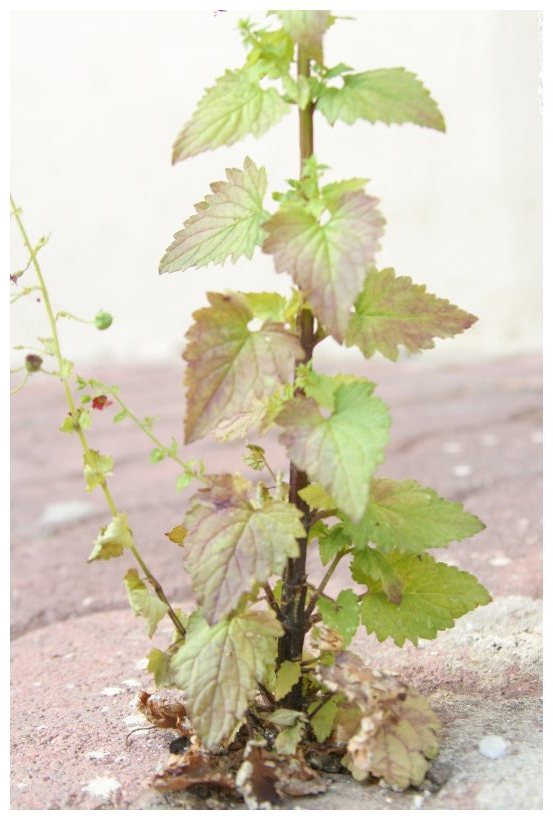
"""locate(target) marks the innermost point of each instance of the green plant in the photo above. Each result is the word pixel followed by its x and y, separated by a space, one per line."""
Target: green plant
pixel 263 662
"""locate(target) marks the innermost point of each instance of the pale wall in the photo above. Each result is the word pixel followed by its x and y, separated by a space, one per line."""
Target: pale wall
pixel 99 96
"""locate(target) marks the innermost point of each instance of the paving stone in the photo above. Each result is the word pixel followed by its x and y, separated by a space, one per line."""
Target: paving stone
pixel 72 709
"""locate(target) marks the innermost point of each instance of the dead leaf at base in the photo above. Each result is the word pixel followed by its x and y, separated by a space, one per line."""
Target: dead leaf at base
pixel 265 779
pixel 165 710
pixel 198 769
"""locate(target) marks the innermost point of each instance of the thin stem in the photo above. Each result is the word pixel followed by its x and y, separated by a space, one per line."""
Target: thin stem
pixel 326 578
pixel 72 409
pixel 24 292
pixel 21 385
pixel 273 603
pixel 63 314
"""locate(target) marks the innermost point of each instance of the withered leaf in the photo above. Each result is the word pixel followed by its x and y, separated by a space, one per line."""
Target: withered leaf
pixel 196 768
pixel 265 779
pixel 166 710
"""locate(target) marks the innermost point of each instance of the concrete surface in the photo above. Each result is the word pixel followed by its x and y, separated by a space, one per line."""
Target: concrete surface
pixel 474 434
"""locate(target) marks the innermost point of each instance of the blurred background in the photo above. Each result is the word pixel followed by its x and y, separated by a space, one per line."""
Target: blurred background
pixel 99 96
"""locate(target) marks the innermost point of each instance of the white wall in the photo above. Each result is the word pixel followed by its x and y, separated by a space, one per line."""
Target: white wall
pixel 97 98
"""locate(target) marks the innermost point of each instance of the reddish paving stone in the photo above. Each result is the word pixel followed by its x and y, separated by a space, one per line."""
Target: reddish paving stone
pixel 471 432
pixel 74 682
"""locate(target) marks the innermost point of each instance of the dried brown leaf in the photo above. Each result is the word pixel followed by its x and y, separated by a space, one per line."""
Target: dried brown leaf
pixel 197 768
pixel 165 710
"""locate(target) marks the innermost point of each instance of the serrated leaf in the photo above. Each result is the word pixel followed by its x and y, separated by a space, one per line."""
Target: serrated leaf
pixel 333 542
pixel 159 665
pixel 403 515
pixel 232 545
pixel 286 717
pixel 390 729
pixel 112 540
pixel 307 29
pixel 434 595
pixel 229 365
pixel 286 742
pixel 321 387
pixel 219 667
pixel 369 565
pixel 317 498
pixel 226 223
pixel 389 95
pixel 143 603
pixel 341 615
pixel 255 457
pixel 234 107
pixel 288 674
pixel 327 255
pixel 272 52
pixel 342 451
pixel 391 311
pixel 96 468
pixel 322 721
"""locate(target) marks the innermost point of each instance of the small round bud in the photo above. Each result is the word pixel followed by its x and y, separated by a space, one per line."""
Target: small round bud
pixel 103 320
pixel 33 363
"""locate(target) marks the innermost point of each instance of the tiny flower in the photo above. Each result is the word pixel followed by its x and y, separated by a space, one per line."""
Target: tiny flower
pixel 33 363
pixel 99 402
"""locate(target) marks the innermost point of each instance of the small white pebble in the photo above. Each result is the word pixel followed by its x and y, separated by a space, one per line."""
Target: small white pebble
pixel 87 601
pixel 418 800
pixel 111 691
pixel 69 656
pixel 104 709
pixel 102 787
pixel 69 685
pixel 37 683
pixel 499 561
pixel 536 437
pixel 41 728
pixel 141 664
pixel 97 754
pixel 488 439
pixel 452 447
pixel 494 747
pixel 22 784
pixel 132 683
pixel 462 470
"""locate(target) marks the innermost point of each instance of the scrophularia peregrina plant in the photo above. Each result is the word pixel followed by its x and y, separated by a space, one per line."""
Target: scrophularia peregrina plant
pixel 261 667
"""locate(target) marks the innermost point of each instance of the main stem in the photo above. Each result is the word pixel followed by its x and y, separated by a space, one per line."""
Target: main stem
pixel 294 588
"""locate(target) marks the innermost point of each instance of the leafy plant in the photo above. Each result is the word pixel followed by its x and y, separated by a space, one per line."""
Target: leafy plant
pixel 262 665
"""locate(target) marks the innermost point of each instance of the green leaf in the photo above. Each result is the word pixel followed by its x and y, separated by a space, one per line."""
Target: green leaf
pixel 389 95
pixel 177 535
pixel 341 615
pixel 405 516
pixel 232 545
pixel 392 311
pixel 369 566
pixel 143 603
pixel 96 468
pixel 327 255
pixel 317 498
pixel 332 543
pixel 286 742
pixel 269 307
pixel 289 673
pixel 157 455
pixel 321 387
pixel 434 595
pixel 79 420
pixel 226 223
pixel 234 107
pixel 159 665
pixel 120 416
pixel 322 721
pixel 219 667
pixel 272 52
pixel 255 457
pixel 342 451
pixel 229 365
pixel 112 540
pixel 307 29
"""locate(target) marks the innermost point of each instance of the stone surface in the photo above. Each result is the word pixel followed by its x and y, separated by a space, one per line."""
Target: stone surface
pixel 472 433
pixel 75 683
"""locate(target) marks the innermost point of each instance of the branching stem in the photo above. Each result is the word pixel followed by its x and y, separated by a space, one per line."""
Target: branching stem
pixel 72 409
